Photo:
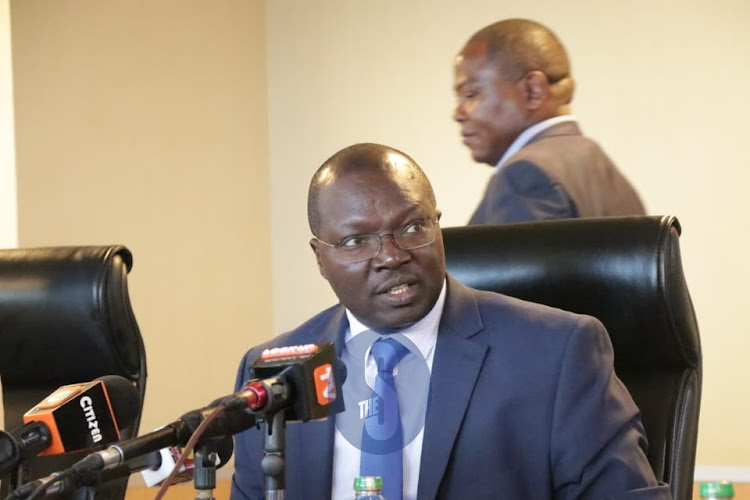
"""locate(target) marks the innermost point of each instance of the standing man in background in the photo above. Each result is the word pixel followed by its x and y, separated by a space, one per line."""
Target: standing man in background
pixel 513 89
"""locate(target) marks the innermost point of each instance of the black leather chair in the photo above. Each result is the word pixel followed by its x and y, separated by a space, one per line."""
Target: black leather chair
pixel 627 272
pixel 65 317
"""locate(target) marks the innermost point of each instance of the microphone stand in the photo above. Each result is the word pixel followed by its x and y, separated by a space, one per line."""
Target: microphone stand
pixel 273 455
pixel 204 475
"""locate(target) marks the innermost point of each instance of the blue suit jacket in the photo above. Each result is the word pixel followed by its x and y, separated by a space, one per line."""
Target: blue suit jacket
pixel 559 174
pixel 524 405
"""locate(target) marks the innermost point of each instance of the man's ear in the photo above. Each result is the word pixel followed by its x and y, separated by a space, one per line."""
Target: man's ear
pixel 315 245
pixel 535 89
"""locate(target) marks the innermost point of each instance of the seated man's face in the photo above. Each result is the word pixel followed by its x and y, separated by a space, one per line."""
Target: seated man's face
pixel 397 287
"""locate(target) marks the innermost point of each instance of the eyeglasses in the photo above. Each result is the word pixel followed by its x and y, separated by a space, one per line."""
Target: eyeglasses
pixel 359 247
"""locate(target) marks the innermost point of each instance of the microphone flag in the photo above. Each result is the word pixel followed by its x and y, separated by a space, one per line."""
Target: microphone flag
pixel 79 417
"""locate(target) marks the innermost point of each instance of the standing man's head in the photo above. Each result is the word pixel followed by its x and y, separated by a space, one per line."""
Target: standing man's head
pixel 509 76
pixel 377 240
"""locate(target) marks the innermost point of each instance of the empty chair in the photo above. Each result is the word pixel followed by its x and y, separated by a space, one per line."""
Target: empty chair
pixel 627 272
pixel 65 317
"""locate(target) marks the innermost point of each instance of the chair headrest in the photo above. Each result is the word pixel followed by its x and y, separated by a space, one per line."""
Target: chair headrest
pixel 625 271
pixel 65 314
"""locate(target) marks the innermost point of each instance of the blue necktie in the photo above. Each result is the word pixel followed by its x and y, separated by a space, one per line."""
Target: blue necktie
pixel 382 435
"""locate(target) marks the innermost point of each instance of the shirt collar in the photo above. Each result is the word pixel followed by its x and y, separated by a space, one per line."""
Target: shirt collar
pixel 528 134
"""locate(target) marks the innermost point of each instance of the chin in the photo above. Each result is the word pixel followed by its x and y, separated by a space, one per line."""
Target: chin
pixel 481 158
pixel 406 320
pixel 391 322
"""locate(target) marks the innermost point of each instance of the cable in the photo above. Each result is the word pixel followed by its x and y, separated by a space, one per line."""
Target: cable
pixel 186 451
pixel 43 487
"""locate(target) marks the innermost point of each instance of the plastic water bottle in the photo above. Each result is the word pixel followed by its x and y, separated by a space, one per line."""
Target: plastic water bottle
pixel 723 490
pixel 368 488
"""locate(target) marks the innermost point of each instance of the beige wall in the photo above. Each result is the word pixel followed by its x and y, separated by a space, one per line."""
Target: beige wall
pixel 144 123
pixel 659 85
pixel 8 221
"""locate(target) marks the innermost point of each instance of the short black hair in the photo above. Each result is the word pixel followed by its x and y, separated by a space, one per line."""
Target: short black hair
pixel 518 46
pixel 358 158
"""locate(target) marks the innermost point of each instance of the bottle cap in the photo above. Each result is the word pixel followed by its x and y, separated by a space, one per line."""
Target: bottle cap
pixel 368 483
pixel 722 489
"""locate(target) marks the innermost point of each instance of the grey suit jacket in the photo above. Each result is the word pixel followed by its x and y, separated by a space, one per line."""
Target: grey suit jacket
pixel 559 174
pixel 524 405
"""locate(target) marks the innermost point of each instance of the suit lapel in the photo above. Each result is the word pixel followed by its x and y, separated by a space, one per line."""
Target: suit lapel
pixel 457 363
pixel 310 469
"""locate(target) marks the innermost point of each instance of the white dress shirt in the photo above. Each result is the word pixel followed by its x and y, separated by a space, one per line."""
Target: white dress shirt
pixel 346 457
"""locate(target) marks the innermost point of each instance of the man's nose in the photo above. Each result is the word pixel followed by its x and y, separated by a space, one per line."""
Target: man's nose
pixel 390 254
pixel 459 113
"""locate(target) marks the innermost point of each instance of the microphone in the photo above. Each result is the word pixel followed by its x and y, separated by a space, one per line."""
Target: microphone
pixel 154 466
pixel 177 433
pixel 73 418
pixel 75 481
pixel 300 380
pixel 81 416
pixel 23 443
pixel 305 380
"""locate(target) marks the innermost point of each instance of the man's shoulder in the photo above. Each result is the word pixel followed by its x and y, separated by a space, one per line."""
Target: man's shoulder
pixel 496 302
pixel 516 330
pixel 553 150
pixel 315 326
pixel 557 144
pixel 504 311
pixel 557 160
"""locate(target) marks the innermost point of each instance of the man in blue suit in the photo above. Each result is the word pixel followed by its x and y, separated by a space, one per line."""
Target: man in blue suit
pixel 514 88
pixel 523 399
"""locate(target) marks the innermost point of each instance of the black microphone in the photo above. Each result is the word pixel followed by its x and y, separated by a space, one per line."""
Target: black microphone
pixel 75 481
pixel 154 466
pixel 22 443
pixel 74 417
pixel 300 380
pixel 304 380
pixel 177 433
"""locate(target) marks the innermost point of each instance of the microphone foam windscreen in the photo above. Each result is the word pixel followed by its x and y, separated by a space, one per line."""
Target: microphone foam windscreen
pixel 124 398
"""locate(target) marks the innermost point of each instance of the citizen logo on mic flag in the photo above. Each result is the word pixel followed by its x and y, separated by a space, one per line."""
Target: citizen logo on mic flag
pixel 79 417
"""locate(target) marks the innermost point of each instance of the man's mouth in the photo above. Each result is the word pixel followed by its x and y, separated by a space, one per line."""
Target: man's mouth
pixel 399 295
pixel 398 289
pixel 467 137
